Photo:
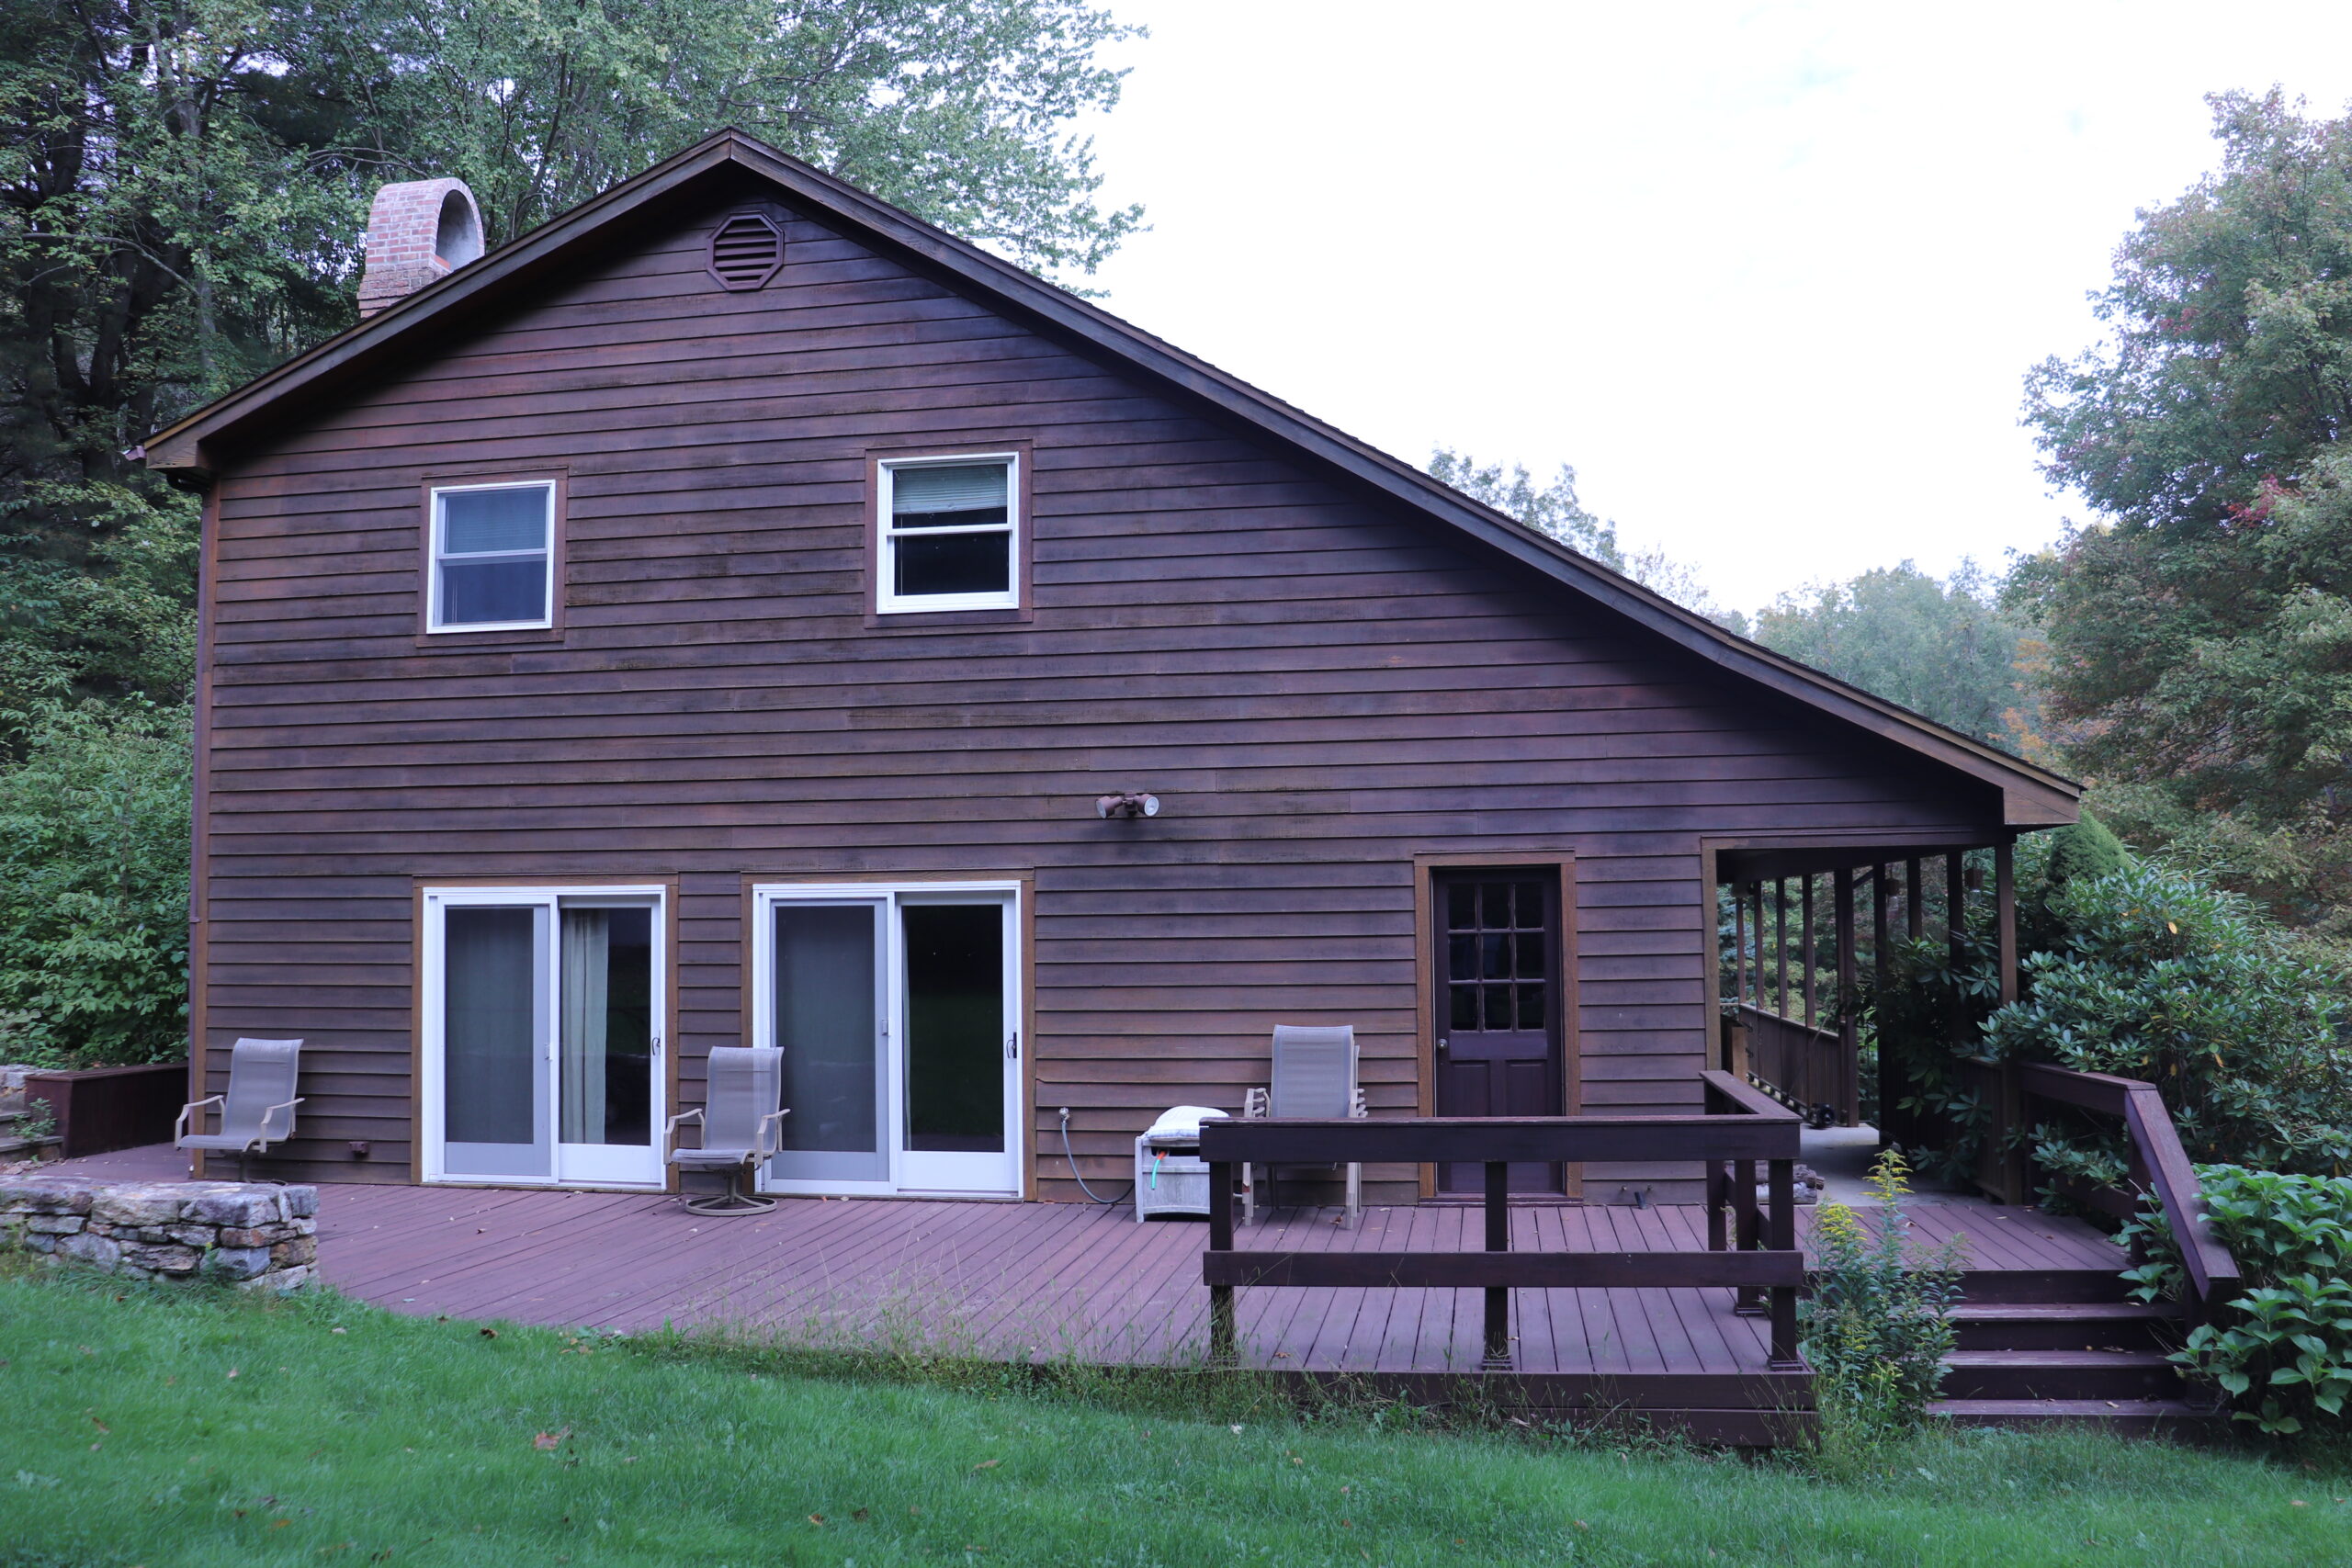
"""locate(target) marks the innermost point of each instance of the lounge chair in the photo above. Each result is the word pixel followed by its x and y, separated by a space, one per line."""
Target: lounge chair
pixel 743 1128
pixel 1314 1077
pixel 258 1109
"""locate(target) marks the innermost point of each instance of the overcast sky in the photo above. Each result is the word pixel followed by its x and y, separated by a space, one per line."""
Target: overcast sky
pixel 1767 275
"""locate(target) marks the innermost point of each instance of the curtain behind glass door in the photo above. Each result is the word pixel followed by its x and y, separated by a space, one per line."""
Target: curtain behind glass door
pixel 605 1048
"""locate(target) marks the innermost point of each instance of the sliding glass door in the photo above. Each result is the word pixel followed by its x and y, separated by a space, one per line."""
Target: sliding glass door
pixel 542 1031
pixel 897 1009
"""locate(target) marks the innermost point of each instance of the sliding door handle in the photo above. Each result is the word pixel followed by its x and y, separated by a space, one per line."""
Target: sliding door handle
pixel 1012 1046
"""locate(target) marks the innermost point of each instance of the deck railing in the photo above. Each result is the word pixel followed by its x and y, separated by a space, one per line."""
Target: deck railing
pixel 2159 1169
pixel 1758 1257
pixel 1810 1067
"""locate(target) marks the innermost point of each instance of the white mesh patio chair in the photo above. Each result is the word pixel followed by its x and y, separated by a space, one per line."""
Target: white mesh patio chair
pixel 258 1109
pixel 1314 1077
pixel 742 1127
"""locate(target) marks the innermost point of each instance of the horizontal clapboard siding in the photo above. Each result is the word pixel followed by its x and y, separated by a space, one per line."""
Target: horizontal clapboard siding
pixel 1320 690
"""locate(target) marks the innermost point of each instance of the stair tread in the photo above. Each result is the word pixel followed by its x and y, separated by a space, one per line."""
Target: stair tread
pixel 2069 1312
pixel 2056 1357
pixel 2069 1408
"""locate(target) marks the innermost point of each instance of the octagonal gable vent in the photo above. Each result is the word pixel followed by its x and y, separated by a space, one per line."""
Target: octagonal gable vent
pixel 745 250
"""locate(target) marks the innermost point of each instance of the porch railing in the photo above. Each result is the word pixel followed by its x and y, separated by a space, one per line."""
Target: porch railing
pixel 1808 1066
pixel 2159 1166
pixel 1755 1253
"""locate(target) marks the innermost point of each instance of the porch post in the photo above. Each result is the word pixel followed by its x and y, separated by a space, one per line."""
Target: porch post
pixel 1850 1031
pixel 1805 946
pixel 1739 944
pixel 2014 1176
pixel 1780 945
pixel 1882 969
pixel 2005 896
pixel 1879 895
pixel 1956 932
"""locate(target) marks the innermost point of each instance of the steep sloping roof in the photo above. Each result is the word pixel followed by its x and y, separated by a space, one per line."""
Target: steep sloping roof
pixel 2032 795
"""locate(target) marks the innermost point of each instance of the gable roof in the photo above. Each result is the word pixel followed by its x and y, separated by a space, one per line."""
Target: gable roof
pixel 2033 796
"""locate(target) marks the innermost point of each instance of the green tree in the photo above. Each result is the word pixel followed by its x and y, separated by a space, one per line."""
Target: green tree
pixel 1554 511
pixel 186 181
pixel 1943 650
pixel 2199 630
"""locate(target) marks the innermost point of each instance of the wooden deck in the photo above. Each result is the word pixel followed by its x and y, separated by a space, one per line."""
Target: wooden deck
pixel 1041 1281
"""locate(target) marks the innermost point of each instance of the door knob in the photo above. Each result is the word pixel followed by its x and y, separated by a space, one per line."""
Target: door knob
pixel 1440 1042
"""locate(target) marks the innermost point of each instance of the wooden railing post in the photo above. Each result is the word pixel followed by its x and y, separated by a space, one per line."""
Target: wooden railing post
pixel 1850 1022
pixel 1783 1238
pixel 1748 1302
pixel 1498 1240
pixel 1223 1349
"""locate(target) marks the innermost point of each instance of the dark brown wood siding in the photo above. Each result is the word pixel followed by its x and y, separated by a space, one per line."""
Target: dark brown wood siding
pixel 1318 689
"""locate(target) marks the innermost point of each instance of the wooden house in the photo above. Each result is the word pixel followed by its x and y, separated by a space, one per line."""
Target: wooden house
pixel 740 613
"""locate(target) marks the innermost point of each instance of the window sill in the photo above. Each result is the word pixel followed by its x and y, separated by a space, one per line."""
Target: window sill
pixel 946 620
pixel 513 637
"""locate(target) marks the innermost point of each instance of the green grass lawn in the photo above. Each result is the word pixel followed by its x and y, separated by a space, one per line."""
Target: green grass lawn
pixel 177 1430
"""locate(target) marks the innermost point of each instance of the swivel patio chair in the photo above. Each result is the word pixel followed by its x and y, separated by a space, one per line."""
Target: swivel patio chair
pixel 258 1109
pixel 742 1129
pixel 1314 1077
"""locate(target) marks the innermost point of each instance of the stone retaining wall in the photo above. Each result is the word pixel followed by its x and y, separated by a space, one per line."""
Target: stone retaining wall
pixel 259 1236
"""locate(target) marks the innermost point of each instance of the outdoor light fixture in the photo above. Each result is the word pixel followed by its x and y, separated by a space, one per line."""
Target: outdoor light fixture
pixel 1126 806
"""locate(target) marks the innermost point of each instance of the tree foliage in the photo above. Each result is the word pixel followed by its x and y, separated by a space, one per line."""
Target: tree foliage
pixel 1555 511
pixel 186 181
pixel 1945 649
pixel 2200 631
pixel 94 883
pixel 2159 977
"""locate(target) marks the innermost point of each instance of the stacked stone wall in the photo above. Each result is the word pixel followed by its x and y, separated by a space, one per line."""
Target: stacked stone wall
pixel 262 1238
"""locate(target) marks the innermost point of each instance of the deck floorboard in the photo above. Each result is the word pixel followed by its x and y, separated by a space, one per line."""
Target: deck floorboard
pixel 1048 1281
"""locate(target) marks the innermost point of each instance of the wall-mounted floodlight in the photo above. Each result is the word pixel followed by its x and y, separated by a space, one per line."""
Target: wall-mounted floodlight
pixel 1127 806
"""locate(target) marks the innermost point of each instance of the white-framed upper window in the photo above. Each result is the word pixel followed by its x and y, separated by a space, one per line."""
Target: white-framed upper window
pixel 950 533
pixel 493 556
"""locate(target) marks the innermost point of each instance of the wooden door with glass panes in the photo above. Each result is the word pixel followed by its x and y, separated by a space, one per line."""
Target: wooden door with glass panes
pixel 1497 1029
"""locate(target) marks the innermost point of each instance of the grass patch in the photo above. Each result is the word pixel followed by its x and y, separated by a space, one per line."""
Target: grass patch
pixel 411 1441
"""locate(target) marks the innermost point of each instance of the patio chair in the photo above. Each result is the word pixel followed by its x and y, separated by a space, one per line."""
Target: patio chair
pixel 743 1128
pixel 1314 1075
pixel 258 1109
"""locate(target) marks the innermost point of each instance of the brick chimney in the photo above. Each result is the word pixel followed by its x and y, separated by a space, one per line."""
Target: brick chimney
pixel 417 230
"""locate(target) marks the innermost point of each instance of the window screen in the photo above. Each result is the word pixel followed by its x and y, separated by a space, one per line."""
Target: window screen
pixel 948 541
pixel 491 552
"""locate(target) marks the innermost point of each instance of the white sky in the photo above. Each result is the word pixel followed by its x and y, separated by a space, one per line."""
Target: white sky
pixel 1770 275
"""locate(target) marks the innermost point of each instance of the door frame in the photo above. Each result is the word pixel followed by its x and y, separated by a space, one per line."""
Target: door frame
pixel 761 894
pixel 425 1106
pixel 1561 865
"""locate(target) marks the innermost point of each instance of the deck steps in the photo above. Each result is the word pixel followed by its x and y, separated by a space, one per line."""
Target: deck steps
pixel 2027 1287
pixel 2140 1417
pixel 2033 1346
pixel 2060 1374
pixel 14 1144
pixel 2063 1325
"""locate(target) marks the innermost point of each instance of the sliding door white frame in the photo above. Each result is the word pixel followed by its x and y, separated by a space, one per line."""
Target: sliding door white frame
pixel 564 1164
pixel 911 1172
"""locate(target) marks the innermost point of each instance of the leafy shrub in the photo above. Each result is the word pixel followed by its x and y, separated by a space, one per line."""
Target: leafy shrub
pixel 94 883
pixel 2283 1349
pixel 1876 1326
pixel 2162 977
